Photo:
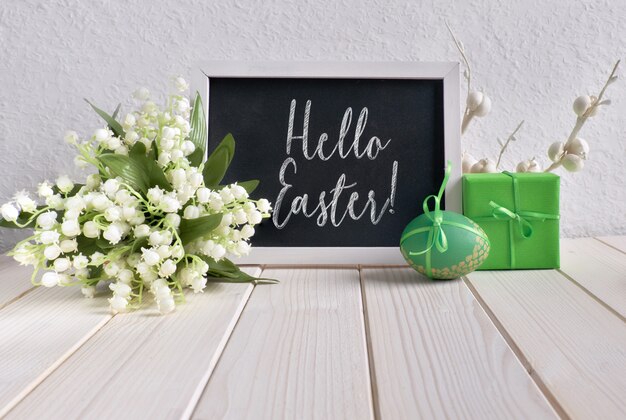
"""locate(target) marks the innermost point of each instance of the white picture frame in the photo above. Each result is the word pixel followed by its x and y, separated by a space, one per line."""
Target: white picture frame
pixel 448 72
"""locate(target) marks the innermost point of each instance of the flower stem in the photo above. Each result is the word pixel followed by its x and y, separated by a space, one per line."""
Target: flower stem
pixel 467 118
pixel 580 121
pixel 506 143
pixel 467 115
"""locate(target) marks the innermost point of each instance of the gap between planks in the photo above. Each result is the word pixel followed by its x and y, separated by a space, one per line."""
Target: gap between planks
pixel 368 347
pixel 615 242
pixel 16 298
pixel 598 269
pixel 14 282
pixel 197 394
pixel 593 296
pixel 54 366
pixel 516 351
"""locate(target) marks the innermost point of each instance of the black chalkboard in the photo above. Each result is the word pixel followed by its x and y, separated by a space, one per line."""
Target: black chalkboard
pixel 406 115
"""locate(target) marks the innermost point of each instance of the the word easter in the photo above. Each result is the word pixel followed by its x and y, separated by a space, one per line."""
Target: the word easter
pixel 327 204
pixel 324 209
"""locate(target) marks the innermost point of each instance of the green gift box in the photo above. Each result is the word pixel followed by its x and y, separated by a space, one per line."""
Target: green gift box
pixel 519 212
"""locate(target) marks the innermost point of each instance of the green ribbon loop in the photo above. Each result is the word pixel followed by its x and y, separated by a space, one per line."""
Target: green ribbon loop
pixel 436 235
pixel 502 213
pixel 515 215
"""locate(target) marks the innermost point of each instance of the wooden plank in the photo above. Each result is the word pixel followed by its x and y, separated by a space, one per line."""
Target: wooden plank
pixel 436 354
pixel 143 365
pixel 14 280
pixel 298 352
pixel 39 332
pixel 618 242
pixel 598 268
pixel 572 345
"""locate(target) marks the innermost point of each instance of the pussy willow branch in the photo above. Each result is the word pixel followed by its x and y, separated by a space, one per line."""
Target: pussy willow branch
pixel 506 143
pixel 468 76
pixel 580 121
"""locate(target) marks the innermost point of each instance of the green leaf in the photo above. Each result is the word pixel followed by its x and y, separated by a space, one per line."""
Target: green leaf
pixel 249 186
pixel 215 168
pixel 117 111
pixel 20 220
pixel 155 174
pixel 224 265
pixel 112 123
pixel 138 150
pixel 220 274
pixel 104 244
pixel 191 229
pixel 196 156
pixel 128 169
pixel 137 169
pixel 217 163
pixel 7 224
pixel 95 272
pixel 88 246
pixel 199 133
pixel 245 278
pixel 154 150
pixel 226 271
pixel 75 190
pixel 138 244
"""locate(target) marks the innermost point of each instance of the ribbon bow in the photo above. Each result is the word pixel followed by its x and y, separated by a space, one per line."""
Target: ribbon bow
pixel 502 213
pixel 436 235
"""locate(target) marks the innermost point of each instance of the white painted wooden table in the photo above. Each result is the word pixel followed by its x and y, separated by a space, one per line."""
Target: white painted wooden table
pixel 330 343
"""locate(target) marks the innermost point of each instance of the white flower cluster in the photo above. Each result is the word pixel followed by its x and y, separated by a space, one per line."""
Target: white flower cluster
pixel 107 231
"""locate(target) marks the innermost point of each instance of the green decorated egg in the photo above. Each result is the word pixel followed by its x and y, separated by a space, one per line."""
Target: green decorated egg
pixel 444 247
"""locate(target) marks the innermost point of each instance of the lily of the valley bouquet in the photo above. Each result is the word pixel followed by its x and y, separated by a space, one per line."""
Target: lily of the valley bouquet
pixel 153 218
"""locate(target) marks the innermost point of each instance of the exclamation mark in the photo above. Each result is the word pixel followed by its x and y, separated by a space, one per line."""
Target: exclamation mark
pixel 394 178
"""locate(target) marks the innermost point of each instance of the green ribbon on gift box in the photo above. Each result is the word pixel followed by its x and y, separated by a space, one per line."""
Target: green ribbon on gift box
pixel 515 216
pixel 436 235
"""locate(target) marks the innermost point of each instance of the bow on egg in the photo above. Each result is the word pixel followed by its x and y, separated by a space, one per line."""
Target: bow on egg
pixel 437 236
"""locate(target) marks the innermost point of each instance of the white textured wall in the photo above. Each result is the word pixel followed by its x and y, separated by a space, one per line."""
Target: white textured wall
pixel 533 57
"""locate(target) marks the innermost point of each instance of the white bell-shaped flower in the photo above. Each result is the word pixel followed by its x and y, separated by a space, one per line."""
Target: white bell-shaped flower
pixel 50 279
